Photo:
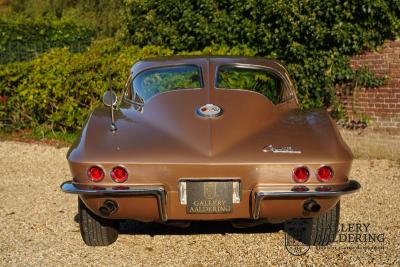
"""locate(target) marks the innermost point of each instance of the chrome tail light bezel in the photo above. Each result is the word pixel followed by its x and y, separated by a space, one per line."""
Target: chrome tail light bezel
pixel 91 178
pixel 324 180
pixel 294 174
pixel 112 175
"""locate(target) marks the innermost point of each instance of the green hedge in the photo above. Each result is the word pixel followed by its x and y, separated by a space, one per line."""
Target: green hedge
pixel 313 38
pixel 22 38
pixel 101 15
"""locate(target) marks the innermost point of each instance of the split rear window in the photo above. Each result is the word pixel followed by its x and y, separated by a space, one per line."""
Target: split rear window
pixel 262 81
pixel 158 80
pixel 169 78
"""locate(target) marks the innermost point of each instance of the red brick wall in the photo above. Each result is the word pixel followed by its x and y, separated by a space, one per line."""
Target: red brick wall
pixel 381 105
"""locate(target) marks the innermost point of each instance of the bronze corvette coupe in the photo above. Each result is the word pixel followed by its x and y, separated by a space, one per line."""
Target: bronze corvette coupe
pixel 208 138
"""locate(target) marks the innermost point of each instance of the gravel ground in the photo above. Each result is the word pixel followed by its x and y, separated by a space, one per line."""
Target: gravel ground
pixel 37 226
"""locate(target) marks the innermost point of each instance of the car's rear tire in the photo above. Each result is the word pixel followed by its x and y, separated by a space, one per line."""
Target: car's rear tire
pixel 96 231
pixel 325 227
pixel 319 231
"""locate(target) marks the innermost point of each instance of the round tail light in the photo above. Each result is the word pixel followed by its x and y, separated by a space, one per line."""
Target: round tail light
pixel 96 173
pixel 119 174
pixel 324 173
pixel 301 174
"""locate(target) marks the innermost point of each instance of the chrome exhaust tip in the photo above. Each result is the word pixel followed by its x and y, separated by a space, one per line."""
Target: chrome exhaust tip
pixel 311 206
pixel 109 207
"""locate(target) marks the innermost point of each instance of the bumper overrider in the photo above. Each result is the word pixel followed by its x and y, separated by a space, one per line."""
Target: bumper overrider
pixel 260 192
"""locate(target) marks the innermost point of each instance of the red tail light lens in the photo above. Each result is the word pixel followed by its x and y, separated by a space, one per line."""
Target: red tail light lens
pixel 95 173
pixel 300 188
pixel 324 173
pixel 301 174
pixel 119 174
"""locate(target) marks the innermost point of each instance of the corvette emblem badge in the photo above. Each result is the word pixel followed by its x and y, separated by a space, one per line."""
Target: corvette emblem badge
pixel 209 111
pixel 285 149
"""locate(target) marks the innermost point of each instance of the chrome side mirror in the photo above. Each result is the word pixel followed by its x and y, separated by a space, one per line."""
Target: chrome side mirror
pixel 110 99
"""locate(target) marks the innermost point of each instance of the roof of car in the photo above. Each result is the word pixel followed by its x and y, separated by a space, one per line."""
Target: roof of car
pixel 206 57
pixel 204 60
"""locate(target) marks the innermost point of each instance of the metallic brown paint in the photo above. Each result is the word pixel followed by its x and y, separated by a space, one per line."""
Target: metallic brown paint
pixel 168 141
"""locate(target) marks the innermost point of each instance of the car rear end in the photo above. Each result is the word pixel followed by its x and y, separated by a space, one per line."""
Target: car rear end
pixel 160 192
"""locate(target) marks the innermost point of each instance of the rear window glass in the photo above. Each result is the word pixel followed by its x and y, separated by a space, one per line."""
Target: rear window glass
pixel 151 82
pixel 259 80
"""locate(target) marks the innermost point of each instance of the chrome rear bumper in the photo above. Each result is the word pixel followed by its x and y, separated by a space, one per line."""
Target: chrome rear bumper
pixel 142 190
pixel 302 191
pixel 260 192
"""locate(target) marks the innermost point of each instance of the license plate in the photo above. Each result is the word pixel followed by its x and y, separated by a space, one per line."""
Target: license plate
pixel 209 197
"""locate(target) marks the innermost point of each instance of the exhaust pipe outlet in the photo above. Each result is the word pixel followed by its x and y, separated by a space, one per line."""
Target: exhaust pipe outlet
pixel 109 207
pixel 311 206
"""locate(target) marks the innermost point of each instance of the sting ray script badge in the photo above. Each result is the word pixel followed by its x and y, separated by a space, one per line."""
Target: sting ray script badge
pixel 284 149
pixel 209 111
